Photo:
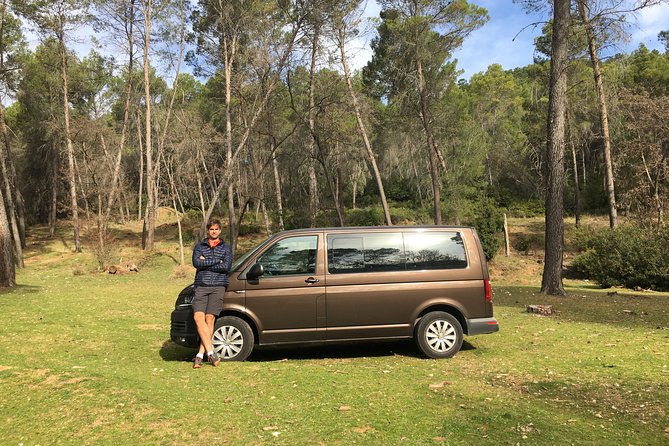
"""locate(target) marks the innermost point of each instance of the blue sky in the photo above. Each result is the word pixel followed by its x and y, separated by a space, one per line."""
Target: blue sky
pixel 505 39
pixel 495 43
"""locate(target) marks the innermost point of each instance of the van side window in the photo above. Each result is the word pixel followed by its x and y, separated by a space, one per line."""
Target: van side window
pixel 434 250
pixel 367 253
pixel 292 255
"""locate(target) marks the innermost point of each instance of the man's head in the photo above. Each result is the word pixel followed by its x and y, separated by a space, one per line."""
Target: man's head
pixel 213 228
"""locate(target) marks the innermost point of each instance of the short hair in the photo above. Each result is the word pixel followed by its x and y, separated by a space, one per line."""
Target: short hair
pixel 213 222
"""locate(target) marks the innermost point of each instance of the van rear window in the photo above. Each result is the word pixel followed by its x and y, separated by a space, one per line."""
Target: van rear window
pixel 434 250
pixel 381 252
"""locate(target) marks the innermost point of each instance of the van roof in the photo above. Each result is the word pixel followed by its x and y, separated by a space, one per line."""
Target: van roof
pixel 378 228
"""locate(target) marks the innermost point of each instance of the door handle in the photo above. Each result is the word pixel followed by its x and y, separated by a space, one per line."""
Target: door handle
pixel 312 280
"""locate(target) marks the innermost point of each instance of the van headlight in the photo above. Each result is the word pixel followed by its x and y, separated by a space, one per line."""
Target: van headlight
pixel 185 298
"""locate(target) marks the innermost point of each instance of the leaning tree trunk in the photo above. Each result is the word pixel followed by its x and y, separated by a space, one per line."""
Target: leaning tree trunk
pixel 551 282
pixel 603 115
pixel 363 132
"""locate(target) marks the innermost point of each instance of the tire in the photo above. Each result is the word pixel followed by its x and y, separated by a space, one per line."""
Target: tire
pixel 439 335
pixel 232 339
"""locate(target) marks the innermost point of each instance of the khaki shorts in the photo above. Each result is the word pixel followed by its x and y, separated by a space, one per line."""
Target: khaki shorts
pixel 208 299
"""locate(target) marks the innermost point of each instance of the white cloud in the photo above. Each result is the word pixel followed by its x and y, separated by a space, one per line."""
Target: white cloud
pixel 649 23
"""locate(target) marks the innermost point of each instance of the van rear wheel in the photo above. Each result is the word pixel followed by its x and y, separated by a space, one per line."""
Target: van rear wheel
pixel 439 335
pixel 232 339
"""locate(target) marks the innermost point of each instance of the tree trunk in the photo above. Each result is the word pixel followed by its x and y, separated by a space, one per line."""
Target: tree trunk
pixel 361 126
pixel 82 190
pixel 435 153
pixel 230 50
pixel 71 176
pixel 603 115
pixel 551 282
pixel 53 208
pixel 577 186
pixel 313 184
pixel 126 117
pixel 436 188
pixel 574 160
pixel 277 188
pixel 140 189
pixel 150 184
pixel 7 271
pixel 5 159
pixel 14 199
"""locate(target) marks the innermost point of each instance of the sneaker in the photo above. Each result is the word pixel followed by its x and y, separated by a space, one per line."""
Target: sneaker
pixel 197 362
pixel 214 359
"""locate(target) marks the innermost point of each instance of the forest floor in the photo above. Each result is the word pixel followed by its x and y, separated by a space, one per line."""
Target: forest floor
pixel 85 358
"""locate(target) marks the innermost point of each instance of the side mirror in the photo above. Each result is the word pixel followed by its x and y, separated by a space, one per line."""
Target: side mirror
pixel 255 271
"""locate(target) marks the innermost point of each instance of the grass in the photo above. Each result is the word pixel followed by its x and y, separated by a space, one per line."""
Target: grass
pixel 85 358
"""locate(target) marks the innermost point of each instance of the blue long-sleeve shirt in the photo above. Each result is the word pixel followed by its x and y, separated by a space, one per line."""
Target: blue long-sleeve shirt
pixel 212 270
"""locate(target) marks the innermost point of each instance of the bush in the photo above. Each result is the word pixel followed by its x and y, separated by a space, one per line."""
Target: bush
pixel 489 224
pixel 630 255
pixel 522 244
pixel 369 216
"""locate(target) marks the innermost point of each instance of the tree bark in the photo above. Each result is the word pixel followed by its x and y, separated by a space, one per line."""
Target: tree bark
pixel 551 282
pixel 7 271
pixel 150 185
pixel 603 115
pixel 435 153
pixel 313 183
pixel 277 188
pixel 140 189
pixel 126 115
pixel 5 159
pixel 53 205
pixel 71 177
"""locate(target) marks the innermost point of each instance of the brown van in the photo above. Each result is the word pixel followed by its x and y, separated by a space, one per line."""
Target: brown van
pixel 342 284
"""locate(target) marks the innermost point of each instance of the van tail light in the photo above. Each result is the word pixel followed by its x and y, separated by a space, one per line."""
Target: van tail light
pixel 488 290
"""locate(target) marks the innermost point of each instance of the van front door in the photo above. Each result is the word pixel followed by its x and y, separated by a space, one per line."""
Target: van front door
pixel 285 300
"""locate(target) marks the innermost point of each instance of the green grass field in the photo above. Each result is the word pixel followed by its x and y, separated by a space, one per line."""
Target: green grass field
pixel 85 358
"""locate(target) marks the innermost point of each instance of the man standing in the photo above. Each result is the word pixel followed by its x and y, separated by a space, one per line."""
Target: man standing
pixel 212 258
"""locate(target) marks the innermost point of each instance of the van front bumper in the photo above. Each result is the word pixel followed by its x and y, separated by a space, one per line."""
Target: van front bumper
pixel 182 328
pixel 482 325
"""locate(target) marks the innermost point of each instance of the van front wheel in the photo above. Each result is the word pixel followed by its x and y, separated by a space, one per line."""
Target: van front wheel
pixel 439 335
pixel 232 339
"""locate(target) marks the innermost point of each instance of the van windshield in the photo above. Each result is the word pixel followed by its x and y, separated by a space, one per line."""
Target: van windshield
pixel 240 261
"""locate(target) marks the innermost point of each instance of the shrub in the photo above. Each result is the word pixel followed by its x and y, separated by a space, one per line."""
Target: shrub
pixel 489 223
pixel 369 216
pixel 629 255
pixel 522 244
